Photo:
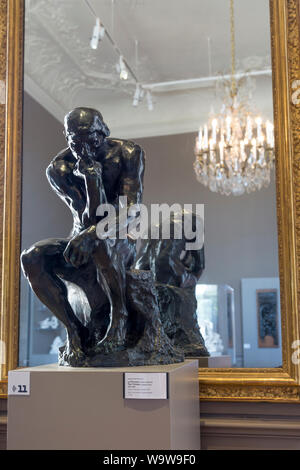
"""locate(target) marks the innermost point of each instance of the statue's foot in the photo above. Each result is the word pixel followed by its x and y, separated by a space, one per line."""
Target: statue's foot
pixel 73 352
pixel 71 357
pixel 115 339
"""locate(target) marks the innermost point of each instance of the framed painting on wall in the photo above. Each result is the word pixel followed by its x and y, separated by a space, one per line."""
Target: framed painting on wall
pixel 261 322
pixel 267 318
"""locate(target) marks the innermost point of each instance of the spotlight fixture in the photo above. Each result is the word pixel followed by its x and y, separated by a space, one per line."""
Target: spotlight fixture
pixel 149 101
pixel 122 69
pixel 98 34
pixel 138 95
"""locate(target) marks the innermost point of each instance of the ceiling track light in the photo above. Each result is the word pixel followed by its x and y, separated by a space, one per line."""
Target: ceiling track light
pixel 149 100
pixel 99 31
pixel 98 34
pixel 122 69
pixel 138 95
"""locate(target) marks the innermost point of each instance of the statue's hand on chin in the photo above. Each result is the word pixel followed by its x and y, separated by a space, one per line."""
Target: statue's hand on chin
pixel 80 248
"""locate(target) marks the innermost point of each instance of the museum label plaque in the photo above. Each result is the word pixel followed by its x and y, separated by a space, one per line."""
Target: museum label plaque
pixel 146 385
pixel 18 383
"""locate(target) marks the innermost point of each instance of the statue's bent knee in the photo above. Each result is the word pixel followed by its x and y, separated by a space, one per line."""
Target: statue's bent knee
pixel 31 259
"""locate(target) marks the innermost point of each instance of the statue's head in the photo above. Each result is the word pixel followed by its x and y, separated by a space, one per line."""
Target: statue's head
pixel 85 131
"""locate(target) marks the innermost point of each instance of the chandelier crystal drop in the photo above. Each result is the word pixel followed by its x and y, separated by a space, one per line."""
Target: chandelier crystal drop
pixel 235 149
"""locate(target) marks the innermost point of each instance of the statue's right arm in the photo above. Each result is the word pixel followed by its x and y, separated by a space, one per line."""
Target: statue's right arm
pixel 69 187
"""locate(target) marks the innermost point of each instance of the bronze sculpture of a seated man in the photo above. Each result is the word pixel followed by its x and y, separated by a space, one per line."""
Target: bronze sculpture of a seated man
pixel 86 281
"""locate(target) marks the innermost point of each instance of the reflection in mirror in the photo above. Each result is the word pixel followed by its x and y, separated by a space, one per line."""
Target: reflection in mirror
pixel 215 314
pixel 168 82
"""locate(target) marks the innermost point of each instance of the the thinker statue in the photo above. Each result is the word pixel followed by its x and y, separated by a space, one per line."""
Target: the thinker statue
pixel 109 308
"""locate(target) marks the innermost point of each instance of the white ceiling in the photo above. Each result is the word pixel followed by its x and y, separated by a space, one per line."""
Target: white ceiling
pixel 62 71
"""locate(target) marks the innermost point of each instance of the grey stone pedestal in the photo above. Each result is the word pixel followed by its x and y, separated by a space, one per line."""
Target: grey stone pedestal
pixel 72 408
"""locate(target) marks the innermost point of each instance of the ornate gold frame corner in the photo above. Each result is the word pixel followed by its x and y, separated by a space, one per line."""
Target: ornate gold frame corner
pixel 277 384
pixel 11 74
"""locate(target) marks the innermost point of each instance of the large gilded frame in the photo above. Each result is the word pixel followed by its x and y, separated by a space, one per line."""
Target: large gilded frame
pixel 273 384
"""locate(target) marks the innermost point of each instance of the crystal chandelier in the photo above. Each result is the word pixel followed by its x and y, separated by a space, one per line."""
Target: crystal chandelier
pixel 235 150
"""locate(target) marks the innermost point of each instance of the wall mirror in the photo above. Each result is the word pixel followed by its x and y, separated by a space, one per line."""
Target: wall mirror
pixel 187 64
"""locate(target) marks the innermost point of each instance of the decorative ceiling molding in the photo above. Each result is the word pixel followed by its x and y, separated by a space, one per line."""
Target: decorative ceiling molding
pixel 62 71
pixel 57 62
pixel 54 18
